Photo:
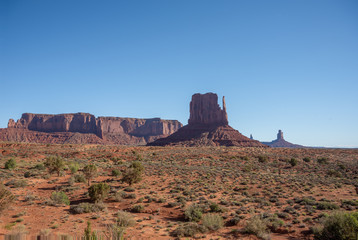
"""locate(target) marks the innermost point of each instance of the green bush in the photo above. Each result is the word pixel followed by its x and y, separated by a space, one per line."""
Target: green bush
pixel 327 206
pixel 125 219
pixel 98 192
pixel 306 159
pixel 188 230
pixel 10 164
pixel 293 162
pixel 79 178
pixel 213 222
pixel 137 208
pixel 257 226
pixel 194 213
pixel 55 164
pixel 90 172
pixel 322 160
pixel 74 166
pixel 133 174
pixel 263 159
pixel 60 198
pixel 87 208
pixel 116 173
pixel 338 226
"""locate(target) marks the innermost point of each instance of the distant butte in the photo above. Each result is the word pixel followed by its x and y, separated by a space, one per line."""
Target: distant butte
pixel 281 142
pixel 208 125
pixel 85 128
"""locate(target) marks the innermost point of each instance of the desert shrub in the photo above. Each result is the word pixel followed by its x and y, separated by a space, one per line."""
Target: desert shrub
pixel 116 173
pixel 16 183
pixel 263 159
pixel 88 233
pixel 98 192
pixel 10 164
pixel 6 198
pixel 74 166
pixel 306 159
pixel 213 221
pixel 188 230
pixel 257 226
pixel 60 198
pixel 214 207
pixel 137 208
pixel 194 213
pixel 90 172
pixel 338 226
pixel 326 206
pixel 55 164
pixel 79 178
pixel 133 174
pixel 322 160
pixel 334 173
pixel 87 208
pixel 125 219
pixel 293 162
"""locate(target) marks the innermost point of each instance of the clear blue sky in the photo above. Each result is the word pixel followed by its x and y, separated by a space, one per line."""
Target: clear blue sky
pixel 290 65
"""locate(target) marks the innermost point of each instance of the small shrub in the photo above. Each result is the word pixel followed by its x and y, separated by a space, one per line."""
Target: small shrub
pixel 322 160
pixel 133 174
pixel 125 219
pixel 98 192
pixel 90 172
pixel 339 226
pixel 87 208
pixel 79 178
pixel 293 162
pixel 137 208
pixel 55 164
pixel 60 198
pixel 307 159
pixel 257 226
pixel 214 207
pixel 74 166
pixel 213 222
pixel 188 230
pixel 263 159
pixel 16 183
pixel 326 206
pixel 194 213
pixel 10 164
pixel 116 173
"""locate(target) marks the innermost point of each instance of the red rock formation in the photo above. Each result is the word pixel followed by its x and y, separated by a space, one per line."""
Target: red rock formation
pixel 105 130
pixel 207 126
pixel 281 142
pixel 204 109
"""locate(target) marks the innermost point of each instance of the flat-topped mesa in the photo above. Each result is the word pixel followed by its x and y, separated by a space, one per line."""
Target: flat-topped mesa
pixel 113 130
pixel 204 109
pixel 279 135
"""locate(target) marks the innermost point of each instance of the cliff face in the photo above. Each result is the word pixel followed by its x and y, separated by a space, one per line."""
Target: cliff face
pixel 207 126
pixel 204 109
pixel 111 130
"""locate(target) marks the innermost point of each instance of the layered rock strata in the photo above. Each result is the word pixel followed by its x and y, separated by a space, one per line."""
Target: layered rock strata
pixel 67 128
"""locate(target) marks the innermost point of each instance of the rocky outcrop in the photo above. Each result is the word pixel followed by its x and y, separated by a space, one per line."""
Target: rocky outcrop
pixel 281 142
pixel 207 126
pixel 105 130
pixel 204 109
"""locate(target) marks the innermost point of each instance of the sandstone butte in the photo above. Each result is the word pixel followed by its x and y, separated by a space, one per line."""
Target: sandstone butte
pixel 85 128
pixel 208 125
pixel 281 142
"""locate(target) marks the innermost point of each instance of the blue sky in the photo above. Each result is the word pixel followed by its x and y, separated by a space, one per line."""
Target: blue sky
pixel 290 65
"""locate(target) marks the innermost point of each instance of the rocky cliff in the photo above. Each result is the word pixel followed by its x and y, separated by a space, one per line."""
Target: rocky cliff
pixel 281 142
pixel 102 130
pixel 207 126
